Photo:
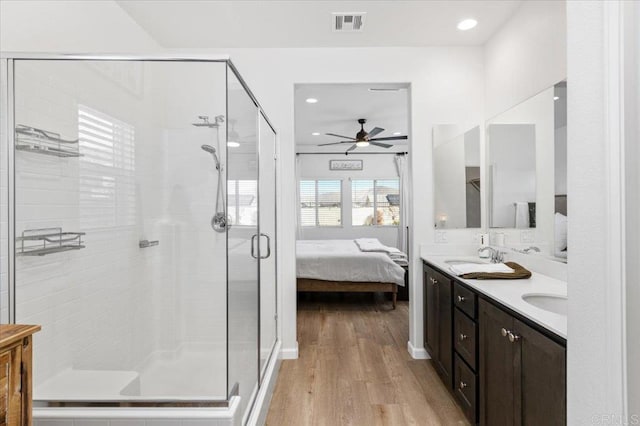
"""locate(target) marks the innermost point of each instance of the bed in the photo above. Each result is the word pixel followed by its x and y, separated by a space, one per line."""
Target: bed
pixel 341 266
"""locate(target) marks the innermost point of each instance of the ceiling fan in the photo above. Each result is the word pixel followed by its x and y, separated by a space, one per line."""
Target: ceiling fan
pixel 364 138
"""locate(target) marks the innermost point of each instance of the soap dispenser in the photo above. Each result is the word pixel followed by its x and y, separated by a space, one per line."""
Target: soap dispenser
pixel 484 242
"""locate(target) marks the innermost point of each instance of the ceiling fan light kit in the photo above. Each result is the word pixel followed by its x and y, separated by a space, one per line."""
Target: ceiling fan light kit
pixel 364 138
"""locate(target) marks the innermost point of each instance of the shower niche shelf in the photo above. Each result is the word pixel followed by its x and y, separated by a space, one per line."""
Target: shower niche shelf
pixel 40 242
pixel 32 139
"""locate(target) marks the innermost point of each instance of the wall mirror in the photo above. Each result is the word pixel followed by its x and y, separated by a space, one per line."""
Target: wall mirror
pixel 456 166
pixel 527 171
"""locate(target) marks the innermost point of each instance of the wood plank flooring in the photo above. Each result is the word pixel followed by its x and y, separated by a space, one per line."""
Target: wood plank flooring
pixel 354 369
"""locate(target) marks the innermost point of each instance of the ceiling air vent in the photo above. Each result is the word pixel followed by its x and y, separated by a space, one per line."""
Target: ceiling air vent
pixel 348 22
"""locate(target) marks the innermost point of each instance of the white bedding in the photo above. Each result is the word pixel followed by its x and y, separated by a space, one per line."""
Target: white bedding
pixel 342 260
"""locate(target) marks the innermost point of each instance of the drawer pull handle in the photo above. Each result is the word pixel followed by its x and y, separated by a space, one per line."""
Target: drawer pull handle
pixel 462 385
pixel 504 332
pixel 463 336
pixel 433 281
pixel 461 299
pixel 513 337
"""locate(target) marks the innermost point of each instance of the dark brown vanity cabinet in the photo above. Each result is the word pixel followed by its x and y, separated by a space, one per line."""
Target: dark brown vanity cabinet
pixel 502 368
pixel 438 322
pixel 522 372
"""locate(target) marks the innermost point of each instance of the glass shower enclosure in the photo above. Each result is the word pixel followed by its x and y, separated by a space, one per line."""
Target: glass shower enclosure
pixel 138 214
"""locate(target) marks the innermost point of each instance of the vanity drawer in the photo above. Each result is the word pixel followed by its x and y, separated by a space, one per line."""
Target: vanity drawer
pixel 465 300
pixel 464 338
pixel 465 389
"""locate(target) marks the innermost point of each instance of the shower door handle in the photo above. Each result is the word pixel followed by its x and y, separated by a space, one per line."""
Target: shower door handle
pixel 253 245
pixel 268 246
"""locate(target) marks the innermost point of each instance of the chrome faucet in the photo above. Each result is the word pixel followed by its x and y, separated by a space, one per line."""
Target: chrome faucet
pixel 497 256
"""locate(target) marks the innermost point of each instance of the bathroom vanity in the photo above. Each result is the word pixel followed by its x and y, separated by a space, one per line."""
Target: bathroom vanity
pixel 503 358
pixel 15 374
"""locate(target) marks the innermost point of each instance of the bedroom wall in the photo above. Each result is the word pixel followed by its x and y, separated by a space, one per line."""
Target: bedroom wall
pixel 374 167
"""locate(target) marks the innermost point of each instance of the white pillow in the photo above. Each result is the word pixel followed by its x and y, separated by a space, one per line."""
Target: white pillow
pixel 560 234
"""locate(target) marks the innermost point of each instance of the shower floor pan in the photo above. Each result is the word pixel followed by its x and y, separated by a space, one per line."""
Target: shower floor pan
pixel 188 377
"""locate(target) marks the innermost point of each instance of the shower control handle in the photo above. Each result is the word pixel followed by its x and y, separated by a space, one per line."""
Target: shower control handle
pixel 147 243
pixel 268 246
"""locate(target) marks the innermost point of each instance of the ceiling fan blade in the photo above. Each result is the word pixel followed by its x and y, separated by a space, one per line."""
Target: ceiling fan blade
pixel 340 136
pixel 374 131
pixel 334 143
pixel 352 147
pixel 390 138
pixel 383 145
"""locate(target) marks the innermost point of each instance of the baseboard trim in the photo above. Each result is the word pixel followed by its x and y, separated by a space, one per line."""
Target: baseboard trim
pixel 263 399
pixel 417 353
pixel 289 353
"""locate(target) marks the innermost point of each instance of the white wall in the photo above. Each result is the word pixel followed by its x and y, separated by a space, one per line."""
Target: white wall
pixel 379 166
pixel 594 357
pixel 632 154
pixel 526 56
pixel 70 27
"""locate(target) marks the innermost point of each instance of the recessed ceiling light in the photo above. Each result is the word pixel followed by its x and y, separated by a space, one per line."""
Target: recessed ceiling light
pixel 467 24
pixel 315 134
pixel 232 144
pixel 555 98
pixel 397 133
pixel 311 100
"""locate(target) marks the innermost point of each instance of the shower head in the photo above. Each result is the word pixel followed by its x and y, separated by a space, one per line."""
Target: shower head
pixel 205 121
pixel 211 150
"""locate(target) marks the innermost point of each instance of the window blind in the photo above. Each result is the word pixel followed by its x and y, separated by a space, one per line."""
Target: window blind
pixel 321 202
pixel 107 170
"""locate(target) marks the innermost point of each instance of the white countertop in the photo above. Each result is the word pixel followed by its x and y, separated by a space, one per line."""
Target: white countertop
pixel 509 293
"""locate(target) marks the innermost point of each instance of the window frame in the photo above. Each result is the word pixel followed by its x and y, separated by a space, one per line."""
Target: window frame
pixel 236 216
pixel 317 203
pixel 375 202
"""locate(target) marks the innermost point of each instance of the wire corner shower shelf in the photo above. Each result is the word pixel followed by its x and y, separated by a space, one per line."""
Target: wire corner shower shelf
pixel 40 242
pixel 32 139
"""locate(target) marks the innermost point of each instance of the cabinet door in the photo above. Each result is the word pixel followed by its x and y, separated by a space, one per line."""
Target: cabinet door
pixel 496 367
pixel 431 314
pixel 540 378
pixel 445 328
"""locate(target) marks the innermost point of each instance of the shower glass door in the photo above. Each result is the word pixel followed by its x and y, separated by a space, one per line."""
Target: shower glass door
pixel 243 243
pixel 115 188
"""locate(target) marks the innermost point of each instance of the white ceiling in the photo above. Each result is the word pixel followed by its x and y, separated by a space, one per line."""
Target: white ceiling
pixel 338 109
pixel 274 23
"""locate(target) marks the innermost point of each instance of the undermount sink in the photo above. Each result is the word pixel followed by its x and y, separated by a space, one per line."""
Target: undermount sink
pixel 548 302
pixel 462 261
